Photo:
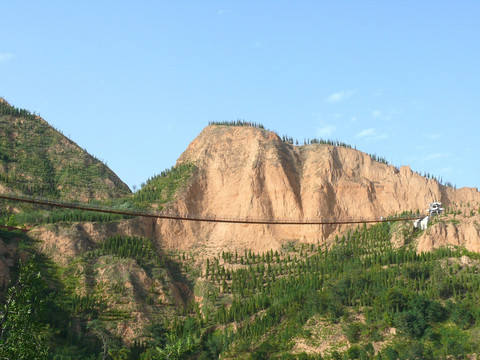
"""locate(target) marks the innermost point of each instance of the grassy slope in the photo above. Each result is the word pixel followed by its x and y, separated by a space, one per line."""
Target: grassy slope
pixel 354 299
pixel 37 159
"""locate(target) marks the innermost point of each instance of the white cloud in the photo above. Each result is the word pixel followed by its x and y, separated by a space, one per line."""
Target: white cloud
pixel 371 134
pixel 434 136
pixel 435 156
pixel 353 119
pixel 365 133
pixel 376 113
pixel 339 96
pixel 4 57
pixel 258 44
pixel 326 130
pixel 335 97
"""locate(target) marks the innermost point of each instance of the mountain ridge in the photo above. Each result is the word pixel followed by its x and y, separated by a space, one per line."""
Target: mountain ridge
pixel 142 286
pixel 37 159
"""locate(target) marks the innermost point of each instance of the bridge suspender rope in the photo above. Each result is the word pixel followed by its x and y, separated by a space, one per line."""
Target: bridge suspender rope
pixel 88 207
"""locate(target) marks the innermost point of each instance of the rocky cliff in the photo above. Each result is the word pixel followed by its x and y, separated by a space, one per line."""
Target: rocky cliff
pixel 249 172
pixel 132 275
pixel 459 230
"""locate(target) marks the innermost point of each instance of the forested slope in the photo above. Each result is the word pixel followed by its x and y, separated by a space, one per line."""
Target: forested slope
pixel 83 285
pixel 359 298
pixel 37 159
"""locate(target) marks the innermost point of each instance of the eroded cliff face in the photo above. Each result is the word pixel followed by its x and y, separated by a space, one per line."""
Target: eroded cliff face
pixel 63 243
pixel 449 230
pixel 248 172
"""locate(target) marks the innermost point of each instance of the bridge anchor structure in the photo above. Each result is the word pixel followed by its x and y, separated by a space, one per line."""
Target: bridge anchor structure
pixel 434 209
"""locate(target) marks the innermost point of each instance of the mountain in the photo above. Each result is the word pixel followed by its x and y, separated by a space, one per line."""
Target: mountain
pixel 37 159
pixel 140 288
pixel 248 172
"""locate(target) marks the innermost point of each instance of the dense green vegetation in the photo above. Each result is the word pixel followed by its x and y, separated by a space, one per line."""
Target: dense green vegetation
pixel 157 192
pixel 22 334
pixel 48 216
pixel 6 109
pixel 137 248
pixel 263 304
pixel 160 189
pixel 69 313
pixel 38 160
pixel 430 299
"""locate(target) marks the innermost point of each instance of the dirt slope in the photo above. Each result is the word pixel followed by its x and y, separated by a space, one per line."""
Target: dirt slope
pixel 250 172
pixel 451 230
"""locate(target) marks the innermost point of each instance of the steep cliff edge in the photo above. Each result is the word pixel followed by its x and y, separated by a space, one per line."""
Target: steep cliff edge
pixel 250 172
pixel 452 230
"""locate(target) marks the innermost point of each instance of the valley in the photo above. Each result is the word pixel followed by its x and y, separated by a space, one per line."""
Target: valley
pixel 121 286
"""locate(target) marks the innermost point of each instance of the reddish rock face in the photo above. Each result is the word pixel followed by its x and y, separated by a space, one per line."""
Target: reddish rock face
pixel 249 172
pixel 245 172
pixel 451 231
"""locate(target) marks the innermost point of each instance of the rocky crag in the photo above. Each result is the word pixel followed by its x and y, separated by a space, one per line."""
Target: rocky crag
pixel 246 172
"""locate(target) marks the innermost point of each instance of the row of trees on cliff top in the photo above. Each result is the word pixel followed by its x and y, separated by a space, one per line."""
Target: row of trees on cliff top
pixel 308 141
pixel 262 303
pixel 6 109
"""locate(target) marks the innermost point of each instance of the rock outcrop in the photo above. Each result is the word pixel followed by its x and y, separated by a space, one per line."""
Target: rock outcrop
pixel 246 172
pixel 63 243
pixel 461 231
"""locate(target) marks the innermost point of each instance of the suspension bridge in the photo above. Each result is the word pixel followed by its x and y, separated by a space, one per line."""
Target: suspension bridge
pixel 199 218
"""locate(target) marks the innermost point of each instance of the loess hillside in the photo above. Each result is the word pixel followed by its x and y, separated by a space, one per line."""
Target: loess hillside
pixel 249 172
pixel 117 287
pixel 36 159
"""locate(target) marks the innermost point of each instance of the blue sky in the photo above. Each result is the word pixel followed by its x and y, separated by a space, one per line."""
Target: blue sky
pixel 134 82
